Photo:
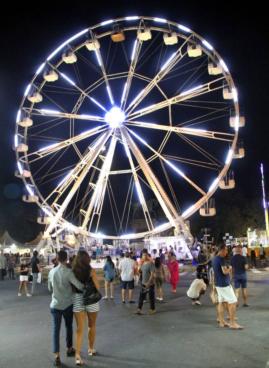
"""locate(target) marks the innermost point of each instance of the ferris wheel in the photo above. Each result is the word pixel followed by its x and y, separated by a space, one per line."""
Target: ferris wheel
pixel 127 129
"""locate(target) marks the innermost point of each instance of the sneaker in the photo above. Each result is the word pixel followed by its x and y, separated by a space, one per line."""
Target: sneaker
pixel 70 352
pixel 112 297
pixel 152 311
pixel 139 312
pixel 28 294
pixel 157 298
pixel 197 302
pixel 123 301
pixel 131 301
pixel 161 299
pixel 245 305
pixel 19 294
pixel 105 297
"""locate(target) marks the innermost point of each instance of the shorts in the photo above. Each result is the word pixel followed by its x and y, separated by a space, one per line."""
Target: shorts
pixel 226 294
pixel 240 281
pixel 23 278
pixel 111 279
pixel 127 285
pixel 78 305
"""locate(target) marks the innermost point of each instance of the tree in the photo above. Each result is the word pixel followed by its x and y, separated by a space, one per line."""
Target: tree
pixel 235 214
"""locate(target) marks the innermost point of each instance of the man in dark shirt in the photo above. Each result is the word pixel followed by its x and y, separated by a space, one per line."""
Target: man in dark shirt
pixel 239 266
pixel 35 270
pixel 224 289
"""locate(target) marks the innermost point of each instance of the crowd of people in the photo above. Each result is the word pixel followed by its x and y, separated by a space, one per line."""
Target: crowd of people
pixel 67 281
pixel 216 268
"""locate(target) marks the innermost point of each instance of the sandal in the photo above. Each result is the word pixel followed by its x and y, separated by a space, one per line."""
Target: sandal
pixel 92 352
pixel 79 361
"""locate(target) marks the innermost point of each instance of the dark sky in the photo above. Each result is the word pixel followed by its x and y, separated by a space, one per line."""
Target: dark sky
pixel 240 36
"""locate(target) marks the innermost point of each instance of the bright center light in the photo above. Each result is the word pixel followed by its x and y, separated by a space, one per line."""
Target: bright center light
pixel 115 117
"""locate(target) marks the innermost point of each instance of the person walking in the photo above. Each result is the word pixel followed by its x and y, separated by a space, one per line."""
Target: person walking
pixel 239 267
pixel 84 272
pixel 3 265
pixel 147 283
pixel 35 265
pixel 11 267
pixel 174 272
pixel 60 279
pixel 224 289
pixel 159 278
pixel 261 252
pixel 109 274
pixel 24 274
pixel 253 258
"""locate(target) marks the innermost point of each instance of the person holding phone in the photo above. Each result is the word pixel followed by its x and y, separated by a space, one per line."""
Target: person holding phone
pixel 224 289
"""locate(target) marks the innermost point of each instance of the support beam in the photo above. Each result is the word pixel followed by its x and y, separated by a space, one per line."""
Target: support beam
pixel 100 187
pixel 92 157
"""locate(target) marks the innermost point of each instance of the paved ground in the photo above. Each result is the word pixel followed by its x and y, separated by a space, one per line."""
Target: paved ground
pixel 179 335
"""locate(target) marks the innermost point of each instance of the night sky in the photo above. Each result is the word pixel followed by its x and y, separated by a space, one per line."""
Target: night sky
pixel 29 34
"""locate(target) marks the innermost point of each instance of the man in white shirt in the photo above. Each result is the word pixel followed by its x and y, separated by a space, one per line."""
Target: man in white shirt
pixel 127 270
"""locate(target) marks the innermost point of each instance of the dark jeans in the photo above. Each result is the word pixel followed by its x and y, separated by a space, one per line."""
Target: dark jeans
pixel 11 274
pixel 57 315
pixel 2 273
pixel 143 294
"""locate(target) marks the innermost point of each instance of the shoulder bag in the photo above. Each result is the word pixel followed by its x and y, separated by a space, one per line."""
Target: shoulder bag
pixel 90 294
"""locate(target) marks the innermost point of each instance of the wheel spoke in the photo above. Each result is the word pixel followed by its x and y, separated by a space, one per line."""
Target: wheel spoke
pixel 158 190
pixel 165 69
pixel 178 171
pixel 59 114
pixel 72 83
pixel 134 58
pixel 183 96
pixel 102 67
pixel 52 148
pixel 228 137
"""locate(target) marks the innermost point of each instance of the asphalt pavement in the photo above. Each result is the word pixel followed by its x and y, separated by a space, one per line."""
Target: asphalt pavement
pixel 178 335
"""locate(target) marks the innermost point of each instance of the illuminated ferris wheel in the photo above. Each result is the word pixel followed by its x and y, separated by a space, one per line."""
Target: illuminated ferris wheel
pixel 130 121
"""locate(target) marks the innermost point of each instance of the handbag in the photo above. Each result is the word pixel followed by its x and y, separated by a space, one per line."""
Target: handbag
pixel 90 294
pixel 30 278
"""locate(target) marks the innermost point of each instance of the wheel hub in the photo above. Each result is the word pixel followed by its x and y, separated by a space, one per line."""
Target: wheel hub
pixel 115 117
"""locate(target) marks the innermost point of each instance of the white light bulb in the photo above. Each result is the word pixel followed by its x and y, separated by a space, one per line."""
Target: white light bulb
pixel 115 117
